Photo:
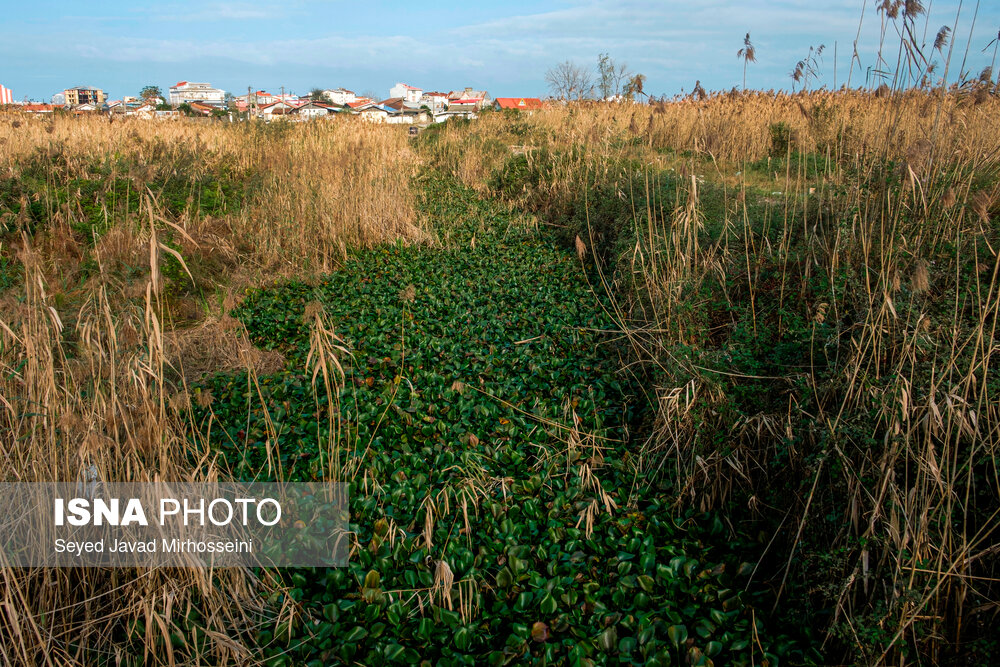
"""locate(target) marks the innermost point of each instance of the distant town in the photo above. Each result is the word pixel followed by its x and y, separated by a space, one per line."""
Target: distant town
pixel 405 104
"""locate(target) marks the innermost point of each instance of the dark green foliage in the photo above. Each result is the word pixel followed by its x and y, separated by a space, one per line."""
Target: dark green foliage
pixel 598 211
pixel 781 138
pixel 513 319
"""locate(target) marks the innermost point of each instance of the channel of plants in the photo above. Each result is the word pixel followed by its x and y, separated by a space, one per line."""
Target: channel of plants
pixel 770 340
pixel 486 428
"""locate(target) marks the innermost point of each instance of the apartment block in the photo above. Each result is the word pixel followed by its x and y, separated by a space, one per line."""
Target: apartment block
pixel 83 95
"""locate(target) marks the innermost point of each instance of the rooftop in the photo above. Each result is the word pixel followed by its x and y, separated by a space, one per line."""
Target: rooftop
pixel 518 102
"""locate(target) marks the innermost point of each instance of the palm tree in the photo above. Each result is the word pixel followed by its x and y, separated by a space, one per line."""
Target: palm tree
pixel 749 55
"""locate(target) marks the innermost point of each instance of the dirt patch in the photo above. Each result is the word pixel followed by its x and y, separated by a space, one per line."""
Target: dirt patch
pixel 217 344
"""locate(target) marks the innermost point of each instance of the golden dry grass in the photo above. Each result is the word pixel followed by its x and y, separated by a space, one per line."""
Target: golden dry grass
pixel 726 131
pixel 900 443
pixel 94 370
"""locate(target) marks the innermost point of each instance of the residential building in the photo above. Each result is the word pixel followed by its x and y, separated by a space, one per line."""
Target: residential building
pixel 6 95
pixel 469 99
pixel 376 113
pixel 456 111
pixel 276 110
pixel 402 114
pixel 518 103
pixel 340 96
pixel 396 103
pixel 420 116
pixel 435 101
pixel 186 92
pixel 409 94
pixel 259 98
pixel 311 110
pixel 74 97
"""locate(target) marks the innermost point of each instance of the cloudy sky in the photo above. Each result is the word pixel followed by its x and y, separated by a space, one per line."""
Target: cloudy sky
pixel 504 47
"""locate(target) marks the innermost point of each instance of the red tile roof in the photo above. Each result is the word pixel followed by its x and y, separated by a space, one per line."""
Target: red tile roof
pixel 519 102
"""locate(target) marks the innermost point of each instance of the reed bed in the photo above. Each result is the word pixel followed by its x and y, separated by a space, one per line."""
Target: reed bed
pixel 122 246
pixel 809 283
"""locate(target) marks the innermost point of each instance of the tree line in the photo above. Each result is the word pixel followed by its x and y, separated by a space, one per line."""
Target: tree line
pixel 612 80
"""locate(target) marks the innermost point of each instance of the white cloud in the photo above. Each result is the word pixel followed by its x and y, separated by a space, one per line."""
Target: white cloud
pixel 673 42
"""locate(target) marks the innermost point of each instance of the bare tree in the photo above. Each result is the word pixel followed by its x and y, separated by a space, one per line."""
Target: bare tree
pixel 611 75
pixel 749 55
pixel 569 81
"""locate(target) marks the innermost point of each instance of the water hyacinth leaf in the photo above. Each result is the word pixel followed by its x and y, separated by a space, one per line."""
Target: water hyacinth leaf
pixel 677 634
pixel 608 640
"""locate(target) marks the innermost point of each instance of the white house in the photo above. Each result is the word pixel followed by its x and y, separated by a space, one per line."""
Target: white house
pixel 435 101
pixel 454 112
pixel 340 96
pixel 377 113
pixel 185 92
pixel 409 94
pixel 275 110
pixel 311 110
pixel 373 115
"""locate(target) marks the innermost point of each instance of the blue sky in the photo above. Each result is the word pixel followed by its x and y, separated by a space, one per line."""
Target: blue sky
pixel 504 47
